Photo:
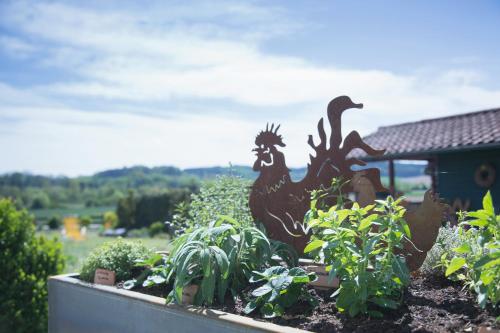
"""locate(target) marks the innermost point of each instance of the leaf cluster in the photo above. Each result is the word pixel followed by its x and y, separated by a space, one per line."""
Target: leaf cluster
pixel 118 256
pixel 446 241
pixel 26 262
pixel 282 288
pixel 477 260
pixel 225 196
pixel 217 258
pixel 361 246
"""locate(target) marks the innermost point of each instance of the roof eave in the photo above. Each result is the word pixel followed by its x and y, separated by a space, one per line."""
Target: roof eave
pixel 426 154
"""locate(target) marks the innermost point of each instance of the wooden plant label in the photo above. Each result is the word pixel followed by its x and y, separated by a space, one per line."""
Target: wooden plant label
pixel 105 277
pixel 322 281
pixel 188 294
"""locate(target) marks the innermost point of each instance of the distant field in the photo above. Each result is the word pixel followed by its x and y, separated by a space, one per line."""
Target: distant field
pixel 70 210
pixel 77 251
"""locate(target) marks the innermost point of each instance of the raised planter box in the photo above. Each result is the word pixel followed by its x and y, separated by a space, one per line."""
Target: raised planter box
pixel 76 306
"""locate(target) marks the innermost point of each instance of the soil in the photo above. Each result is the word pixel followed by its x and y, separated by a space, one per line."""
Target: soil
pixel 431 304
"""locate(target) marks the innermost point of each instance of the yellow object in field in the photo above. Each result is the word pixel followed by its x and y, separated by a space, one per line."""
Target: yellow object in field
pixel 72 227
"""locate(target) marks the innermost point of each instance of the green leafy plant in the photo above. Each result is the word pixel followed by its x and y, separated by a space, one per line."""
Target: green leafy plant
pixel 476 261
pixel 156 270
pixel 156 228
pixel 26 262
pixel 54 223
pixel 217 258
pixel 362 247
pixel 118 256
pixel 282 289
pixel 85 221
pixel 226 196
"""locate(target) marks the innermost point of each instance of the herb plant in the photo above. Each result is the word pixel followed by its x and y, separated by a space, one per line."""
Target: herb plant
pixel 218 258
pixel 477 260
pixel 118 256
pixel 362 247
pixel 447 240
pixel 282 289
pixel 225 196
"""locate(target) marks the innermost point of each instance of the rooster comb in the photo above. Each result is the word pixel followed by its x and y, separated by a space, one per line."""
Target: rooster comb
pixel 269 137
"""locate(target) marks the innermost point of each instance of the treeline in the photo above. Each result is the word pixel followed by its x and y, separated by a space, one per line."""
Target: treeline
pixel 136 212
pixel 102 189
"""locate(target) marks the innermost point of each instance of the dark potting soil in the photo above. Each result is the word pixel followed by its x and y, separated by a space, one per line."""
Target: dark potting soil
pixel 430 304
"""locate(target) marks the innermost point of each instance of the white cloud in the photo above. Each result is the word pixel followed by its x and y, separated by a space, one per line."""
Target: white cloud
pixel 16 47
pixel 176 53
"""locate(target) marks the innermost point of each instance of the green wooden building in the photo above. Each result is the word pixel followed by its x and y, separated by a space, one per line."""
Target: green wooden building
pixel 462 151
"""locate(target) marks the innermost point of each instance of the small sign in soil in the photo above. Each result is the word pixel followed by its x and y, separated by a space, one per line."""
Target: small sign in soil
pixel 105 277
pixel 188 294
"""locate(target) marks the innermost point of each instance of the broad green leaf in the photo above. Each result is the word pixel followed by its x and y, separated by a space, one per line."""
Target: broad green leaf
pixel 464 248
pixel 406 228
pixel 301 279
pixel 478 223
pixel 262 290
pixel 455 265
pixel 365 223
pixel 487 277
pixel 208 288
pixel 479 214
pixel 488 203
pixel 250 307
pixel 487 261
pixel 492 263
pixel 206 262
pixel 315 244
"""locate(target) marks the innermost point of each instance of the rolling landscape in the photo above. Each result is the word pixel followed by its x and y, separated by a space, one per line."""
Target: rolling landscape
pixel 47 196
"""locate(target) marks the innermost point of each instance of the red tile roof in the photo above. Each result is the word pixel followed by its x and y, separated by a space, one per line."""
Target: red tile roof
pixel 422 138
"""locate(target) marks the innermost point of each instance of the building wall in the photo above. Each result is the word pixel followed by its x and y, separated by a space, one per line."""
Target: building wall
pixel 456 178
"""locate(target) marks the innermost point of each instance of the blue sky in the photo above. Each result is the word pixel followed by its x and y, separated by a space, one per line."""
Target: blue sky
pixel 90 85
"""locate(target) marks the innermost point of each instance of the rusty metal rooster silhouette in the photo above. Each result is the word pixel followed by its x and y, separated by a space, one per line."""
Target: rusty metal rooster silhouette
pixel 280 203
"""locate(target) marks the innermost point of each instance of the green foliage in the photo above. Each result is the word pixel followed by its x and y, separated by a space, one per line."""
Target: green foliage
pixel 218 257
pixel 282 289
pixel 361 247
pixel 26 262
pixel 137 212
pixel 118 256
pixel 156 228
pixel 226 196
pixel 85 221
pixel 476 261
pixel 110 218
pixel 157 270
pixel 54 223
pixel 446 241
pixel 102 189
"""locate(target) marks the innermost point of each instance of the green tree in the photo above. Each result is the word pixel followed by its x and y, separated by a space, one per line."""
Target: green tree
pixel 85 221
pixel 26 262
pixel 54 223
pixel 125 211
pixel 110 218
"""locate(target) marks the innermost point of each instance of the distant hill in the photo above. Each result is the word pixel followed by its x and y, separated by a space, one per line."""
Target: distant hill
pixel 403 170
pixel 105 188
